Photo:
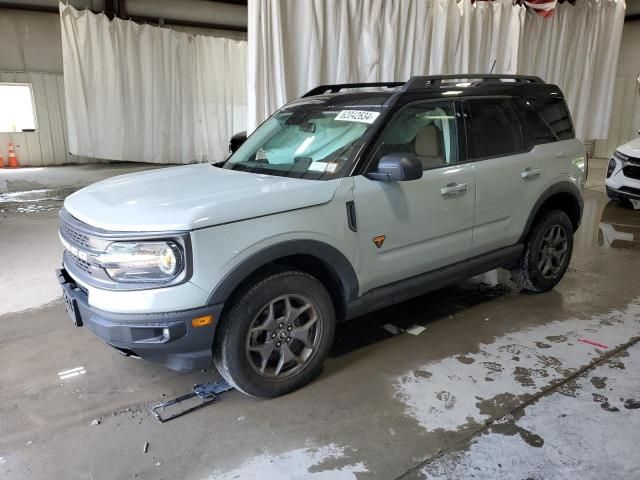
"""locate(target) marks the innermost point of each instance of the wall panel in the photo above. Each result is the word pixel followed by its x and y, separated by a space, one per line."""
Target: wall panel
pixel 48 145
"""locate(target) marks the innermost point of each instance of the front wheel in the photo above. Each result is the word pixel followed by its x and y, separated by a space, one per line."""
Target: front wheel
pixel 276 334
pixel 547 253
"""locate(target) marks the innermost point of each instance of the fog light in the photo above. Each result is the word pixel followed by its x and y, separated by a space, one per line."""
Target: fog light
pixel 165 334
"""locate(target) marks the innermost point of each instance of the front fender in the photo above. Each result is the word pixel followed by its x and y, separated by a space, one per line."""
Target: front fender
pixel 334 260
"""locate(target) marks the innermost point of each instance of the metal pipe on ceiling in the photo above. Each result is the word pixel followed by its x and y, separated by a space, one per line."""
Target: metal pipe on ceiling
pixel 202 13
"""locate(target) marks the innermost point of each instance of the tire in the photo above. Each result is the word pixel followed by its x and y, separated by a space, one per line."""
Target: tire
pixel 262 351
pixel 553 232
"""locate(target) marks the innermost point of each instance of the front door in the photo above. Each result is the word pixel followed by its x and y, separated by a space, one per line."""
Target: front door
pixel 407 228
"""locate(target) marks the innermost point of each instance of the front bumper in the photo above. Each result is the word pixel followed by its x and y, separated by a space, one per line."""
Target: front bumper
pixel 141 334
pixel 623 192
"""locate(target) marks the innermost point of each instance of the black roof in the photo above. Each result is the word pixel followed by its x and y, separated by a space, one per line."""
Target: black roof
pixel 389 94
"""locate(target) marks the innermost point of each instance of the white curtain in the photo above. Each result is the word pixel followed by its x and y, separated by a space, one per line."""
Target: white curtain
pixel 577 49
pixel 296 45
pixel 143 93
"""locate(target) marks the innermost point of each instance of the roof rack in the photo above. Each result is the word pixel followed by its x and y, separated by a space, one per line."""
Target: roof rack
pixel 319 90
pixel 436 80
pixel 418 82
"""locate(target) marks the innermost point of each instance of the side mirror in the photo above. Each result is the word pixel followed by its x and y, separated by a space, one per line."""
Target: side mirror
pixel 397 167
pixel 237 140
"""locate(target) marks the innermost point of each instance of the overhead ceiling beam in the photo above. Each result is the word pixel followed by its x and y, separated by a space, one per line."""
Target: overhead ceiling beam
pixel 189 13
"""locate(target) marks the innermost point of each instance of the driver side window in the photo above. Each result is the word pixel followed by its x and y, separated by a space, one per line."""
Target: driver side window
pixel 427 131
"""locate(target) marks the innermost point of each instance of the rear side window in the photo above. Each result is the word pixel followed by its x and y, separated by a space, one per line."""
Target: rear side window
pixel 493 129
pixel 547 119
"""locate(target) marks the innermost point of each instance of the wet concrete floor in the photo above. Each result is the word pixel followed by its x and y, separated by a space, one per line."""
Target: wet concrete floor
pixel 385 406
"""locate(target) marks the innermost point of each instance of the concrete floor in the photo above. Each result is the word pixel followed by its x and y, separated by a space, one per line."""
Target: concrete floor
pixel 497 386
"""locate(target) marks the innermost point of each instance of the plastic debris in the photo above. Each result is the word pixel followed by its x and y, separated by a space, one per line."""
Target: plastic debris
pixel 146 447
pixel 591 342
pixel 415 329
pixel 95 422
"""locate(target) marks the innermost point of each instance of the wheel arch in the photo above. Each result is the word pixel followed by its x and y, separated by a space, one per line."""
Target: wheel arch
pixel 319 259
pixel 564 196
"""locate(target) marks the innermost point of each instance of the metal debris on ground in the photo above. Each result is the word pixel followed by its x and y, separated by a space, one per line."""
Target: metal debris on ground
pixel 591 342
pixel 95 422
pixel 391 328
pixel 146 447
pixel 413 329
pixel 207 393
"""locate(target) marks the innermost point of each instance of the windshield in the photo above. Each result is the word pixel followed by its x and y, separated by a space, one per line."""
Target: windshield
pixel 312 144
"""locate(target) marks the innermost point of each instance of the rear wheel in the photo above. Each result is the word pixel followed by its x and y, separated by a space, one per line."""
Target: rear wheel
pixel 276 334
pixel 546 254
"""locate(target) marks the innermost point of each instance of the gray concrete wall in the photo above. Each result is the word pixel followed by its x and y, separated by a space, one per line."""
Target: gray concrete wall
pixel 30 41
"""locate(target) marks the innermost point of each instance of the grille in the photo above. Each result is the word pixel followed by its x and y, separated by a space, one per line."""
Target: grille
pixel 81 264
pixel 633 191
pixel 632 171
pixel 77 237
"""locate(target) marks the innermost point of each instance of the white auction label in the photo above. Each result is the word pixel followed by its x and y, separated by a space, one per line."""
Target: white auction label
pixel 317 167
pixel 363 116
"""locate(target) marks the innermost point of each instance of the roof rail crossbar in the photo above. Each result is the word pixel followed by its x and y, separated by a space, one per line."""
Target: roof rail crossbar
pixel 320 89
pixel 436 80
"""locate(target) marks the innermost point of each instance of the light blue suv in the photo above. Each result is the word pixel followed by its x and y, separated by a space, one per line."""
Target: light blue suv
pixel 352 198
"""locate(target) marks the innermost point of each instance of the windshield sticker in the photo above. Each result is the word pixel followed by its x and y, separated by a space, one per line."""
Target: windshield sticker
pixel 332 167
pixel 261 154
pixel 317 167
pixel 362 116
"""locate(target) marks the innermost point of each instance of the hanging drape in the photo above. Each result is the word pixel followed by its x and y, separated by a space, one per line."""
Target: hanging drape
pixel 577 49
pixel 296 45
pixel 143 93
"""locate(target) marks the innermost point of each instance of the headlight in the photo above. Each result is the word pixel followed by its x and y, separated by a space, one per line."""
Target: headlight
pixel 142 261
pixel 611 167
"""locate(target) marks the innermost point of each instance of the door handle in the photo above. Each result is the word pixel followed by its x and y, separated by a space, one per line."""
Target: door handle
pixel 453 189
pixel 530 173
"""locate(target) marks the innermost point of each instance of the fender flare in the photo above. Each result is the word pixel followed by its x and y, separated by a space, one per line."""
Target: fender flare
pixel 331 257
pixel 560 187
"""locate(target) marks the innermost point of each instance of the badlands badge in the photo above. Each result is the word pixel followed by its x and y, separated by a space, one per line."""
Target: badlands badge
pixel 379 240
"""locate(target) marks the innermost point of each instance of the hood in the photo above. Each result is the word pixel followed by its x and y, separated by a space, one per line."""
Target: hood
pixel 631 149
pixel 189 197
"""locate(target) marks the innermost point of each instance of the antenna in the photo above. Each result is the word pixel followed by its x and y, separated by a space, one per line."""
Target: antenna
pixel 492 67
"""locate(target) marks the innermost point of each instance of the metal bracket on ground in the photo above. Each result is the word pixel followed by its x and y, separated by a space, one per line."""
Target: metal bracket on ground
pixel 207 393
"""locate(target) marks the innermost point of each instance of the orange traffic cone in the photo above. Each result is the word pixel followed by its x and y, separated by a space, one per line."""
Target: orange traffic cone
pixel 13 160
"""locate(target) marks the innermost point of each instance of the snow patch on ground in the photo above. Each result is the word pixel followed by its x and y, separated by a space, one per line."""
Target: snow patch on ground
pixel 593 435
pixel 329 462
pixel 453 392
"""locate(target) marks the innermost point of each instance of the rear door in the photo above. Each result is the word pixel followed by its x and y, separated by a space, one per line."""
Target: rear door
pixel 509 176
pixel 407 228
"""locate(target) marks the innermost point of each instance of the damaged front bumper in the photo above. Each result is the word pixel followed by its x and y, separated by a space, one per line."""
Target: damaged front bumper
pixel 167 338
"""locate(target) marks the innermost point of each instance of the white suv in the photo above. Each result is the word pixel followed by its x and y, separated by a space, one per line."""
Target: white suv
pixel 623 172
pixel 352 198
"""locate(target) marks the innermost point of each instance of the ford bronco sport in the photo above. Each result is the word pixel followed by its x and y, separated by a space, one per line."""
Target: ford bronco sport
pixel 352 198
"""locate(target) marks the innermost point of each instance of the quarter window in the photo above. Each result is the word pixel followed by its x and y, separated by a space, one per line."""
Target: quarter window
pixel 427 131
pixel 493 129
pixel 547 119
